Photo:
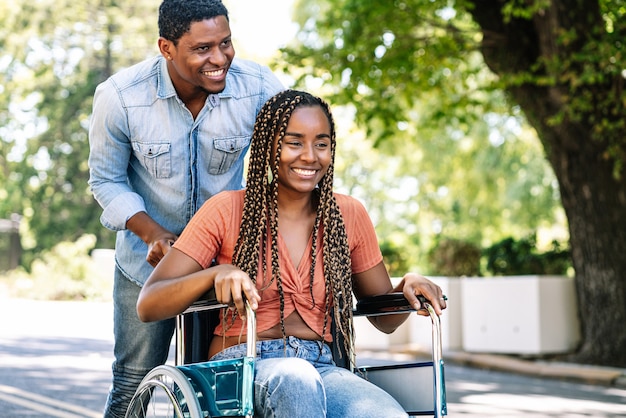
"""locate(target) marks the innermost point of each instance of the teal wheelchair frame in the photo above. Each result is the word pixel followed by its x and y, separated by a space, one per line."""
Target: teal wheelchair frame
pixel 196 387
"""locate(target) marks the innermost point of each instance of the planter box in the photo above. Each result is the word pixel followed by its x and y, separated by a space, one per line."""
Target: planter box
pixel 416 332
pixel 519 314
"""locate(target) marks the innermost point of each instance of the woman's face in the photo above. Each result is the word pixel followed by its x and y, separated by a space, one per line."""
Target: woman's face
pixel 306 150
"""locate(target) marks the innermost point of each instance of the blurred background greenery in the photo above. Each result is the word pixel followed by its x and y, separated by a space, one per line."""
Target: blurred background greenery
pixel 478 188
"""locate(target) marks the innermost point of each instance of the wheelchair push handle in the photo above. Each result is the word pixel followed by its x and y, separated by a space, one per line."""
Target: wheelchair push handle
pixel 208 302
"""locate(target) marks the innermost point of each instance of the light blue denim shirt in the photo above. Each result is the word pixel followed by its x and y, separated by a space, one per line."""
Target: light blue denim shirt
pixel 147 153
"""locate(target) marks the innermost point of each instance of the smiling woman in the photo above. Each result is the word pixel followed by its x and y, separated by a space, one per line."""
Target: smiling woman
pixel 296 252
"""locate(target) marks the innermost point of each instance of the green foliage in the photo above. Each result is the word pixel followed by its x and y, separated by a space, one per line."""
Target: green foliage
pixel 65 272
pixel 457 160
pixel 388 59
pixel 514 9
pixel 516 257
pixel 454 258
pixel 508 257
pixel 52 56
pixel 582 65
pixel 395 257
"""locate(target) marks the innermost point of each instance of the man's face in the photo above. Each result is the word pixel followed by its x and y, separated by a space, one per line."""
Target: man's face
pixel 203 56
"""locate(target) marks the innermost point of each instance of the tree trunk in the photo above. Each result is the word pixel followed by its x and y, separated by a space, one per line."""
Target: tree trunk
pixel 593 198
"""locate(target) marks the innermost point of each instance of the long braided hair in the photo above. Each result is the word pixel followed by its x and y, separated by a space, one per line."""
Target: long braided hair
pixel 260 213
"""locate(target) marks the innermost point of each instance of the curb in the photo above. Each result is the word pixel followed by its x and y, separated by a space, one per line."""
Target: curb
pixel 596 375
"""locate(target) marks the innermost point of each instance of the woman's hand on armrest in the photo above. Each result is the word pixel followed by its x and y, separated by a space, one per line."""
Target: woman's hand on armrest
pixel 413 284
pixel 233 287
pixel 376 281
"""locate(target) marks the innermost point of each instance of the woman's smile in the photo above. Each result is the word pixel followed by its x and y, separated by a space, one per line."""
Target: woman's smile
pixel 304 173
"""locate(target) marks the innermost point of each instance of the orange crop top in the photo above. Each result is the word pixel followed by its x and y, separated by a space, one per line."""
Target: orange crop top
pixel 212 234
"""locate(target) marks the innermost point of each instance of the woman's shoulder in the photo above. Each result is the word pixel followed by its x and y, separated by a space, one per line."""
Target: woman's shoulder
pixel 228 200
pixel 229 196
pixel 350 206
pixel 347 201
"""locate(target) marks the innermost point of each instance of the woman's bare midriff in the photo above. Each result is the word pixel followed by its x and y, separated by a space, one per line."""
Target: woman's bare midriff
pixel 294 326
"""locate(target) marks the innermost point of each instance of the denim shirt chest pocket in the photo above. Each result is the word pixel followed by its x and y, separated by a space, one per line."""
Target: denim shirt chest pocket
pixel 155 157
pixel 225 152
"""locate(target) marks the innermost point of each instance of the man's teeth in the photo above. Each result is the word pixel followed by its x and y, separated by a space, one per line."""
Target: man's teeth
pixel 213 73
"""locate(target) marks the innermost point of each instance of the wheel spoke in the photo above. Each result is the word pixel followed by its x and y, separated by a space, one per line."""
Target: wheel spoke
pixel 164 392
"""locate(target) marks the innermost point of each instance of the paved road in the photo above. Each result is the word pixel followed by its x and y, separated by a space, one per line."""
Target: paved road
pixel 55 360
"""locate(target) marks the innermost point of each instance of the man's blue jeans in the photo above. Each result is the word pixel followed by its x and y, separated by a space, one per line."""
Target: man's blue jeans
pixel 299 379
pixel 139 347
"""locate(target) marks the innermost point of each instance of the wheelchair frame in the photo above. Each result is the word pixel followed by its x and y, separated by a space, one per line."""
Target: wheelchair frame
pixel 200 388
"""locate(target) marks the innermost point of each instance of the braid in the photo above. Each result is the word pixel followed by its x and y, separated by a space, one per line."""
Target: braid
pixel 260 216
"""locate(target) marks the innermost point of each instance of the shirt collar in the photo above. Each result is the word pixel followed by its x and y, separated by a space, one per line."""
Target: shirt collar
pixel 165 87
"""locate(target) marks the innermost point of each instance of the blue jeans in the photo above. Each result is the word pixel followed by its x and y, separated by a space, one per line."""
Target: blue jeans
pixel 300 379
pixel 139 347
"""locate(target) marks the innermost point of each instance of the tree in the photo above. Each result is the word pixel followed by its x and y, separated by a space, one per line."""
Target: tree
pixel 52 56
pixel 560 62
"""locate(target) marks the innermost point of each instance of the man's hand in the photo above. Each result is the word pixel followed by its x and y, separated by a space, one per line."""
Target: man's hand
pixel 159 239
pixel 158 248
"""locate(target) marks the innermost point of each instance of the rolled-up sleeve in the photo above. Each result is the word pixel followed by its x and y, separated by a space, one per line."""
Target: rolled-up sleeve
pixel 122 208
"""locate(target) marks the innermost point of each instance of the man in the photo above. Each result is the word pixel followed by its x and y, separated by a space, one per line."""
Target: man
pixel 165 135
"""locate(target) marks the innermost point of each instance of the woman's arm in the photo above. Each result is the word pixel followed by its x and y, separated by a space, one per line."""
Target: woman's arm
pixel 178 281
pixel 376 281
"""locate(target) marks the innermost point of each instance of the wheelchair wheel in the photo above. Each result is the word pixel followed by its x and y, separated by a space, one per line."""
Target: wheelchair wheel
pixel 164 392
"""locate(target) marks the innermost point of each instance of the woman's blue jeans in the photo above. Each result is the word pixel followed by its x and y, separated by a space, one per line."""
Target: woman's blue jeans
pixel 139 346
pixel 300 379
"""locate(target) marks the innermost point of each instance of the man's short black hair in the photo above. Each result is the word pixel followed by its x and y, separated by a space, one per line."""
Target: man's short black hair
pixel 176 16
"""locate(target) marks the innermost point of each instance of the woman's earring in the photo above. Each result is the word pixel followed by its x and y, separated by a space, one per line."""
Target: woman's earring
pixel 270 175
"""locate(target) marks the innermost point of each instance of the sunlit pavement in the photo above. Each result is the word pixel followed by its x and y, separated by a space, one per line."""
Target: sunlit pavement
pixel 490 400
pixel 55 360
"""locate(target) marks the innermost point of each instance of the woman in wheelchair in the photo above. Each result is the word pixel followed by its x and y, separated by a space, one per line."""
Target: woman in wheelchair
pixel 296 252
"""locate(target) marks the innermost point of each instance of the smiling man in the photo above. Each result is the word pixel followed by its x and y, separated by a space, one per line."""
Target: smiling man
pixel 167 134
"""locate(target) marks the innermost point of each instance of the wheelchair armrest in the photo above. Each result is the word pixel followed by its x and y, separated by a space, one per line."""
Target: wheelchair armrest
pixel 390 303
pixel 206 302
pixel 393 303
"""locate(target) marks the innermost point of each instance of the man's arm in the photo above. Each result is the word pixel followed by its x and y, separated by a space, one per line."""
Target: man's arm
pixel 109 156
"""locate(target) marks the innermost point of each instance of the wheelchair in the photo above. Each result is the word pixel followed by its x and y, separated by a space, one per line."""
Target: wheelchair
pixel 196 387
